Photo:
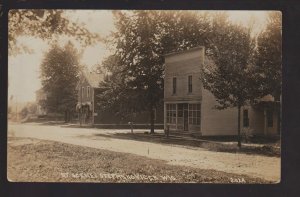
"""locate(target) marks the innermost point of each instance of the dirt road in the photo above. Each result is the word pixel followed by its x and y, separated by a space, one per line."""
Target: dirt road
pixel 267 168
pixel 35 160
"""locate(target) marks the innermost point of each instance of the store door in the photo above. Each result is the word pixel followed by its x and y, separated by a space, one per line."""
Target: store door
pixel 185 120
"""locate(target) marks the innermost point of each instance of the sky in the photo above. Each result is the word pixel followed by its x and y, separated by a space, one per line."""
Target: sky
pixel 24 69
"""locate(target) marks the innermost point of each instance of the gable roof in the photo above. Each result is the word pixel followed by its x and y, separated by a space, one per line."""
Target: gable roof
pixel 92 78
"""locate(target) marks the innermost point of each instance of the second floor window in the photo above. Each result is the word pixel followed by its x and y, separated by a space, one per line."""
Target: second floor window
pixel 82 92
pixel 88 91
pixel 190 84
pixel 174 85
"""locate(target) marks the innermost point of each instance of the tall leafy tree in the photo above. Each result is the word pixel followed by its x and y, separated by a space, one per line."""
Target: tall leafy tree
pixel 269 59
pixel 269 56
pixel 141 40
pixel 59 75
pixel 230 78
pixel 115 94
pixel 46 24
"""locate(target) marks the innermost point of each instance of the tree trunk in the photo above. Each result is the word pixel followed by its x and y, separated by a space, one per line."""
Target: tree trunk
pixel 80 117
pixel 239 127
pixel 66 116
pixel 71 117
pixel 151 120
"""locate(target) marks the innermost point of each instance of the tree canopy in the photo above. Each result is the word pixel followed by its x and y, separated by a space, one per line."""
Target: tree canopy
pixel 269 56
pixel 231 53
pixel 59 75
pixel 46 24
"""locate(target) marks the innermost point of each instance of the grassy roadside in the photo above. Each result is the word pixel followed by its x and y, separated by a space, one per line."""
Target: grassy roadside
pixel 271 150
pixel 31 160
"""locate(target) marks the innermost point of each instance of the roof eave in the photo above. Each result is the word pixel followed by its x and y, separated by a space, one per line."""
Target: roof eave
pixel 182 52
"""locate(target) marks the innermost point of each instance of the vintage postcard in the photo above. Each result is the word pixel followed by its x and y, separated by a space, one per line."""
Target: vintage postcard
pixel 144 96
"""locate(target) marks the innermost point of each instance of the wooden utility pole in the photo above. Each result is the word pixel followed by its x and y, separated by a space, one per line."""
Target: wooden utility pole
pixel 239 126
pixel 16 108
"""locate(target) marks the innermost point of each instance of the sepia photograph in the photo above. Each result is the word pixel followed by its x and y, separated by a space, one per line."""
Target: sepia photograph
pixel 144 96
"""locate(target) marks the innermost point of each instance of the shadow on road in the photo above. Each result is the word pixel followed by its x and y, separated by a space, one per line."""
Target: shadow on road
pixel 189 142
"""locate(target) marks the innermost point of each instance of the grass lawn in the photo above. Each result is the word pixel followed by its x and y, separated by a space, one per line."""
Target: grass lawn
pixel 46 161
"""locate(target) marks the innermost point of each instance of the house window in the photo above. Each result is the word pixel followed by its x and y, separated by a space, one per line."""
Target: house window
pixel 174 85
pixel 88 91
pixel 82 92
pixel 194 114
pixel 190 84
pixel 269 118
pixel 171 113
pixel 245 118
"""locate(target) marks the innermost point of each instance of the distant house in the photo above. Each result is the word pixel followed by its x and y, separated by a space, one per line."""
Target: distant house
pixel 89 112
pixel 88 87
pixel 188 107
pixel 40 97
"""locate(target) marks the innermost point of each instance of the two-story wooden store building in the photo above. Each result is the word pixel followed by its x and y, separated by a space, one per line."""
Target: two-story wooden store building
pixel 188 107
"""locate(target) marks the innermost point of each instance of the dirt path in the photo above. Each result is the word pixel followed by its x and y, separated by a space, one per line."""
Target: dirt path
pixel 267 168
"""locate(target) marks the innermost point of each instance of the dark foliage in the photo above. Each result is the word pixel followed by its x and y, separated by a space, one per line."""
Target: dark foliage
pixel 60 74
